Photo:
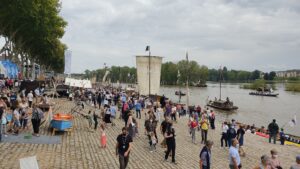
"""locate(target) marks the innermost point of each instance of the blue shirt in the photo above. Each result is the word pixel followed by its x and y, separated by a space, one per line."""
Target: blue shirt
pixel 138 106
pixel 113 111
pixel 123 99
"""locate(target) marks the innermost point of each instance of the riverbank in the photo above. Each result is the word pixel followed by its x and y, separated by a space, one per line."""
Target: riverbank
pixel 82 149
pixel 293 87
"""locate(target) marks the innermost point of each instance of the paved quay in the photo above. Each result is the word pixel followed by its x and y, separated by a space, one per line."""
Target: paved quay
pixel 82 149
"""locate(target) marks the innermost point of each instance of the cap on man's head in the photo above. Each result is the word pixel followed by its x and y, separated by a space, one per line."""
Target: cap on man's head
pixel 274 120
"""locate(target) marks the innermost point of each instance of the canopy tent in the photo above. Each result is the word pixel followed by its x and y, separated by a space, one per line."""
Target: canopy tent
pixel 78 83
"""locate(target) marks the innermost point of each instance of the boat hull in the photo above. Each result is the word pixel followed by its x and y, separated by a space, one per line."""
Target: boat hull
pixel 61 125
pixel 263 94
pixel 179 93
pixel 61 122
pixel 222 107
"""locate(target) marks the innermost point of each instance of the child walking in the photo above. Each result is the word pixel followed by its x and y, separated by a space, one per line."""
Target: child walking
pixel 153 141
pixel 103 136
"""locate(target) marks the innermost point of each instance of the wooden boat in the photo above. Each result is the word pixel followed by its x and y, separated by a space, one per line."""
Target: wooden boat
pixel 262 134
pixel 179 93
pixel 264 94
pixel 61 122
pixel 221 104
pixel 292 143
pixel 201 85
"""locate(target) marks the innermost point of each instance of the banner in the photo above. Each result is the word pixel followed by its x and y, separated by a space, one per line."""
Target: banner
pixel 78 83
pixel 68 59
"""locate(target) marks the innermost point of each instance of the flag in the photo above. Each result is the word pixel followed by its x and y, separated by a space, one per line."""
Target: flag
pixel 147 48
pixel 293 122
pixel 68 60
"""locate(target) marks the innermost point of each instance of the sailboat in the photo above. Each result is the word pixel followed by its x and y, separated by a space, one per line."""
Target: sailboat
pixel 219 103
pixel 179 93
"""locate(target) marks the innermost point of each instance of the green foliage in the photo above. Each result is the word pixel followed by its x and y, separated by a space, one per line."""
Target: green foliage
pixel 169 73
pixel 295 87
pixel 233 75
pixel 255 85
pixel 272 75
pixel 35 28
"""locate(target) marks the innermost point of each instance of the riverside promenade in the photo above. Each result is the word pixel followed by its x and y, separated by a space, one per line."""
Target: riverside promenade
pixel 81 149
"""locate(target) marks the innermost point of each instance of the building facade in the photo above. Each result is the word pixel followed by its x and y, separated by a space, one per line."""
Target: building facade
pixel 288 73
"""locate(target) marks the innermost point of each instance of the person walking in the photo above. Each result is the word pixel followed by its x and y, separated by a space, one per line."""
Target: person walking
pixel 193 126
pixel 150 126
pixel 204 130
pixel 113 114
pixel 264 163
pixel 37 115
pixel 30 98
pixel 131 126
pixel 171 143
pixel 95 117
pixel 123 148
pixel 212 118
pixel 138 108
pixel 205 155
pixel 234 156
pixel 282 137
pixel 103 138
pixel 274 161
pixel 297 165
pixel 163 128
pixel 224 134
pixel 273 131
pixel 231 134
pixel 240 135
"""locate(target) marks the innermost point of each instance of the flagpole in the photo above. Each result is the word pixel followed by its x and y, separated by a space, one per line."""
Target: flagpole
pixel 149 72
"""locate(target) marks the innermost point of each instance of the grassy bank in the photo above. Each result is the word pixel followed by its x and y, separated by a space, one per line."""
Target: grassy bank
pixel 294 87
pixel 258 84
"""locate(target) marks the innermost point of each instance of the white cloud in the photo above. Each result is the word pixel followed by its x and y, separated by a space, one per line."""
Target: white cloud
pixel 240 34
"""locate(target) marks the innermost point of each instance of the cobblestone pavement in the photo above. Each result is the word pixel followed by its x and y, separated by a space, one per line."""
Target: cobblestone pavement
pixel 82 149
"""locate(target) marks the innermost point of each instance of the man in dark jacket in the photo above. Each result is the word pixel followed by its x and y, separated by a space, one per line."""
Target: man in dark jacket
pixel 273 131
pixel 231 134
pixel 205 155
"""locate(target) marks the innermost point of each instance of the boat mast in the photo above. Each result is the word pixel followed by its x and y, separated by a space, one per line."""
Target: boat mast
pixel 178 76
pixel 187 84
pixel 148 49
pixel 220 83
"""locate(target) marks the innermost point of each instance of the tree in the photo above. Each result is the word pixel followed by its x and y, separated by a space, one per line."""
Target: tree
pixel 225 75
pixel 266 76
pixel 34 28
pixel 272 75
pixel 255 75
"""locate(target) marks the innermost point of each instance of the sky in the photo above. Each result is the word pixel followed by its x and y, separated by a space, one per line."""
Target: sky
pixel 239 34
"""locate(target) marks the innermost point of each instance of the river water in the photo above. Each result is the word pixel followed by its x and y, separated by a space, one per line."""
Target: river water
pixel 256 110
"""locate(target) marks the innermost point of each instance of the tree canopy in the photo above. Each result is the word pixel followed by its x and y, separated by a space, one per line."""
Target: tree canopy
pixel 34 28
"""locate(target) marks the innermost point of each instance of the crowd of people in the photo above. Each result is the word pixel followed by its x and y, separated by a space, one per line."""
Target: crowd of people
pixel 161 115
pixel 16 110
pixel 19 112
